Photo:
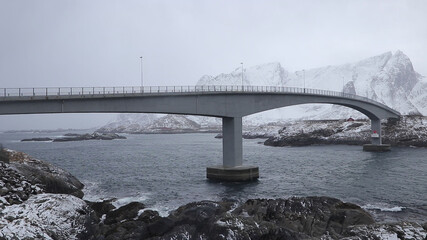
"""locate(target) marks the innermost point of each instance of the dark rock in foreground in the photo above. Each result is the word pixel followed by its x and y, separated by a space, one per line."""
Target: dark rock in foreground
pixel 293 218
pixel 41 174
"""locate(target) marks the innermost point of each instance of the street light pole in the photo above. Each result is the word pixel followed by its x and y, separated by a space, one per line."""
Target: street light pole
pixel 141 72
pixel 242 75
pixel 342 84
pixel 303 71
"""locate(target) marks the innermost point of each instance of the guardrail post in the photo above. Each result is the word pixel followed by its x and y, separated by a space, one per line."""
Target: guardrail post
pixel 33 92
pixel 19 91
pixel 59 91
pixel 46 92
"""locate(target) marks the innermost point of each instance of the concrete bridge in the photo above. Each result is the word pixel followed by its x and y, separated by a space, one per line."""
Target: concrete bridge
pixel 230 103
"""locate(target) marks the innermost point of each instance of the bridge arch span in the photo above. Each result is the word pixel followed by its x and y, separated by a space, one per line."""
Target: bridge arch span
pixel 206 104
pixel 231 106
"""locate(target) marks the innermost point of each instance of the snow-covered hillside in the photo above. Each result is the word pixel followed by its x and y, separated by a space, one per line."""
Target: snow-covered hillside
pixel 160 123
pixel 388 78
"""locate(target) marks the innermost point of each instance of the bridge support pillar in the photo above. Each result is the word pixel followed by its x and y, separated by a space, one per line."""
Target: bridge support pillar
pixel 232 148
pixel 376 138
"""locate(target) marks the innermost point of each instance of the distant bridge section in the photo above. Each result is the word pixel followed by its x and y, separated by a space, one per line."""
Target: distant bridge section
pixel 231 103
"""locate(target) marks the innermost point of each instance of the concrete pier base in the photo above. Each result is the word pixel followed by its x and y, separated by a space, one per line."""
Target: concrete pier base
pixel 376 147
pixel 232 174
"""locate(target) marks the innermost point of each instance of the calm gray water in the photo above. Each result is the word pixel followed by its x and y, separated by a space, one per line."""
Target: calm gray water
pixel 168 170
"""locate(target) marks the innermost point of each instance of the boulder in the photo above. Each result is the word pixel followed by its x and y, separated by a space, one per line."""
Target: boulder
pixel 47 216
pixel 102 207
pixel 50 178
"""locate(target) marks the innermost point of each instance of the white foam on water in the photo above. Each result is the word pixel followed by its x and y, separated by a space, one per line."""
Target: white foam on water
pixel 383 207
pixel 141 197
pixel 163 210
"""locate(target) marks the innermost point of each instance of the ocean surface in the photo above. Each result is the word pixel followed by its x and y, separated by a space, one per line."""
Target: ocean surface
pixel 165 171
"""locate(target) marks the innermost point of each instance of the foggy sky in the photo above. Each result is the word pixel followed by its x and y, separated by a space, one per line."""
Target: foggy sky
pixel 49 43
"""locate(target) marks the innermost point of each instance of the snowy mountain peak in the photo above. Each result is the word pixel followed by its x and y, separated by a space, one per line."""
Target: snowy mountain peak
pixel 270 74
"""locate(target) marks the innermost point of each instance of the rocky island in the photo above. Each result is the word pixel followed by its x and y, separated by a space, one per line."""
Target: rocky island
pixel 41 201
pixel 68 137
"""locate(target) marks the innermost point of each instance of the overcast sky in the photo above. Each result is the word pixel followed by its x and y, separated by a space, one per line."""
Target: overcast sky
pixel 50 43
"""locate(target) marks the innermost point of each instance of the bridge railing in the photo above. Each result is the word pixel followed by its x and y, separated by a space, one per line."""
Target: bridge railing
pixel 6 93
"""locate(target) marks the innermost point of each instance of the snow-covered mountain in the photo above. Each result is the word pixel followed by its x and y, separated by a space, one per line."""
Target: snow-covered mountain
pixel 158 123
pixel 388 78
pixel 270 74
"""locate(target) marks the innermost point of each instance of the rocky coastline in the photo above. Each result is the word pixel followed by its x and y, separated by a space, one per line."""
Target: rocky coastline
pixel 41 201
pixel 410 131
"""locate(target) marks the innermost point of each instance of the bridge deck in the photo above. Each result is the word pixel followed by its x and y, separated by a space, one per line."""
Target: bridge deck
pixel 17 94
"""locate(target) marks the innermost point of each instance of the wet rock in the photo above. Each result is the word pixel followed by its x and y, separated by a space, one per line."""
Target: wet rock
pixel 102 207
pixel 127 212
pixel 313 216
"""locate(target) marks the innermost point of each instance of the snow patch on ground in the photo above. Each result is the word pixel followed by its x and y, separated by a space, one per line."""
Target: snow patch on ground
pixel 44 216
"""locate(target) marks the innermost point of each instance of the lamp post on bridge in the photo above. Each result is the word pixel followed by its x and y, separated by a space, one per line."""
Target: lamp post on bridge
pixel 342 84
pixel 303 72
pixel 242 75
pixel 141 73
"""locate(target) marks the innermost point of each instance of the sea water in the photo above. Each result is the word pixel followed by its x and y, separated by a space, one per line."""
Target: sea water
pixel 165 171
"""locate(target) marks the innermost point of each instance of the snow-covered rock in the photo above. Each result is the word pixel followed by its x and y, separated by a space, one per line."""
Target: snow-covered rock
pixel 14 187
pixel 409 131
pixel 404 230
pixel 162 124
pixel 45 216
pixel 130 123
